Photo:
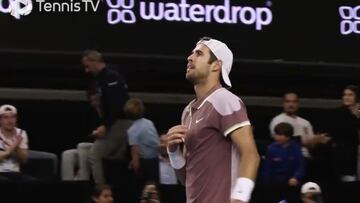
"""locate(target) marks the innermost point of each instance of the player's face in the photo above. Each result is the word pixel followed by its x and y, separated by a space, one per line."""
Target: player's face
pixel 349 98
pixel 291 103
pixel 105 197
pixel 8 121
pixel 198 67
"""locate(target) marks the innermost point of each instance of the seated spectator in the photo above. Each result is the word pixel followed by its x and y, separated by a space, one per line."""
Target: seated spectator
pixel 150 193
pixel 74 162
pixel 144 142
pixel 284 165
pixel 311 193
pixel 13 146
pixel 102 194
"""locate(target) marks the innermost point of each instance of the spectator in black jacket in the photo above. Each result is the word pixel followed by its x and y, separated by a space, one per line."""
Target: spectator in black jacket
pixel 346 133
pixel 111 138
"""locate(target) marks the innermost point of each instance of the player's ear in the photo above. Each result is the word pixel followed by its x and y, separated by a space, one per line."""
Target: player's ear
pixel 216 66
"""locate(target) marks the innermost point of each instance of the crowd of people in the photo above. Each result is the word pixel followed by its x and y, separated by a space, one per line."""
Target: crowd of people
pixel 298 154
pixel 212 151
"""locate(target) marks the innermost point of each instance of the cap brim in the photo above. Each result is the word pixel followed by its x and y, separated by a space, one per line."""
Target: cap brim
pixel 225 77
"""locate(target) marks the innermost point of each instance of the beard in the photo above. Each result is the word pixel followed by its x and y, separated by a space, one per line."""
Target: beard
pixel 192 79
pixel 196 77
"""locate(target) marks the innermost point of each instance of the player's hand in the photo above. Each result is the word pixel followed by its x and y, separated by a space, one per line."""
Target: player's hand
pixel 175 136
pixel 293 182
pixel 100 131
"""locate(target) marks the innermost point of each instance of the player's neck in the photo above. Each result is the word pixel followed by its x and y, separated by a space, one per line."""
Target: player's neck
pixel 203 89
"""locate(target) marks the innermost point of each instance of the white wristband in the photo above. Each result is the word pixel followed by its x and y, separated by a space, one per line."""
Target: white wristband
pixel 177 160
pixel 243 189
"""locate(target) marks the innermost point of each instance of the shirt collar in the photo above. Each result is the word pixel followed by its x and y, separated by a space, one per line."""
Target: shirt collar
pixel 197 103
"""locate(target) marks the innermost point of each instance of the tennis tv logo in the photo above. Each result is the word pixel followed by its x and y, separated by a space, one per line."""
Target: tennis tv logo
pixel 16 8
pixel 350 20
pixel 123 11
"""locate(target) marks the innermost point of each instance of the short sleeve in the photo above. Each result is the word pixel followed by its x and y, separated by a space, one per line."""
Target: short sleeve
pixel 308 131
pixel 236 119
pixel 133 135
pixel 231 112
pixel 272 126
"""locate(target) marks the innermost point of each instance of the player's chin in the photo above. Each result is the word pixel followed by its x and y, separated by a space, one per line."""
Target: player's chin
pixel 191 78
pixel 188 74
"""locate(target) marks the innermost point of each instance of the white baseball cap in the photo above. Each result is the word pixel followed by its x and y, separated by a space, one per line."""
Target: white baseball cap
pixel 310 187
pixel 7 108
pixel 222 53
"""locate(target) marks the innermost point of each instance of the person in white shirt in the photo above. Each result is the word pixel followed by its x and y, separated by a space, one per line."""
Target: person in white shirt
pixel 13 146
pixel 302 127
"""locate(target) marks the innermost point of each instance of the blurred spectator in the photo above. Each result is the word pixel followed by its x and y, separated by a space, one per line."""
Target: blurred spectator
pixel 346 132
pixel 111 139
pixel 144 142
pixel 311 193
pixel 167 173
pixel 74 163
pixel 303 129
pixel 171 191
pixel 284 165
pixel 13 146
pixel 150 194
pixel 102 194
